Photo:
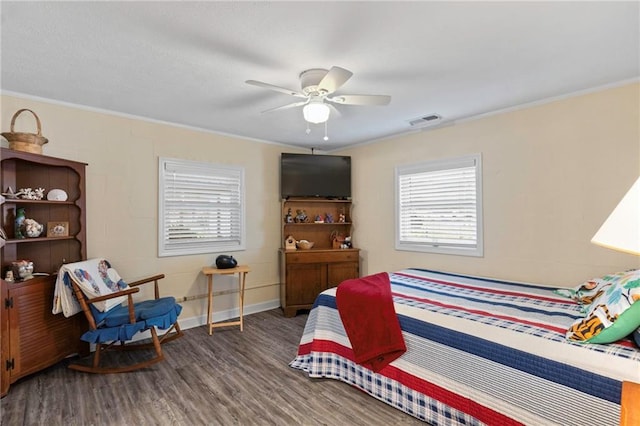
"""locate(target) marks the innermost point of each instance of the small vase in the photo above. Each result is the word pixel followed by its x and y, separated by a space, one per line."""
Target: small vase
pixel 20 216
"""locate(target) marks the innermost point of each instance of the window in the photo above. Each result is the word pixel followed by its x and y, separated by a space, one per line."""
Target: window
pixel 439 206
pixel 201 208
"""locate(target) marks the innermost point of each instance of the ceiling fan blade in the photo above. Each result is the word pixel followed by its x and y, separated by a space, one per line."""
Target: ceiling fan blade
pixel 276 88
pixel 293 105
pixel 361 99
pixel 335 112
pixel 335 78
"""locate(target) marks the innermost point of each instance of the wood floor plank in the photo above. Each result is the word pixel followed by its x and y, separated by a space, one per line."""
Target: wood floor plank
pixel 229 378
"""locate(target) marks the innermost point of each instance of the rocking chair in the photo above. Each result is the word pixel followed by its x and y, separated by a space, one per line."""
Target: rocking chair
pixel 100 292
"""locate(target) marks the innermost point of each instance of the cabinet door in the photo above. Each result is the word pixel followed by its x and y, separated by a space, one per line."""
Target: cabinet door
pixel 37 338
pixel 340 271
pixel 304 282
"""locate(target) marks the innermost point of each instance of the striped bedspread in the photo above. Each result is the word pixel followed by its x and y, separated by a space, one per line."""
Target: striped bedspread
pixel 479 351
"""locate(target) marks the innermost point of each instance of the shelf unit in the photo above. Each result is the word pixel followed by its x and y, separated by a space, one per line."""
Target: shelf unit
pixel 306 273
pixel 31 337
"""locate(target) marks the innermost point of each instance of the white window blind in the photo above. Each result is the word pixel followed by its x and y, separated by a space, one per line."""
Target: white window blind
pixel 439 206
pixel 201 208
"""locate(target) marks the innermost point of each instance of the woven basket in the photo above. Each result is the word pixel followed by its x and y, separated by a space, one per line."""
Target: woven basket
pixel 27 142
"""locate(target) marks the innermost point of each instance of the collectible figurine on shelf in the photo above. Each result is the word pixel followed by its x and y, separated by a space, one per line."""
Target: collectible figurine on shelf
pixel 301 216
pixel 328 218
pixel 22 270
pixel 290 243
pixel 288 217
pixel 318 219
pixel 347 242
pixel 20 217
pixel 341 218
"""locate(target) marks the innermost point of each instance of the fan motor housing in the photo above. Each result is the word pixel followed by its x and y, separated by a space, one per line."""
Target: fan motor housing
pixel 310 79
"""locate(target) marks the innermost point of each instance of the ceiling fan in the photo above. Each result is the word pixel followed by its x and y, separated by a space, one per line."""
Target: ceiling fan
pixel 318 87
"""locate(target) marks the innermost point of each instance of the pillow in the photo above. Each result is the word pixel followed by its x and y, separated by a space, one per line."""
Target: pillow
pixel 588 291
pixel 613 315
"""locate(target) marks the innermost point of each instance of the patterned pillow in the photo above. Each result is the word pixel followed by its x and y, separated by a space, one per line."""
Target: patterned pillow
pixel 612 315
pixel 588 291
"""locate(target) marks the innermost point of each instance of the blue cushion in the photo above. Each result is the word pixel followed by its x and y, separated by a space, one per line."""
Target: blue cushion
pixel 121 333
pixel 126 331
pixel 100 316
pixel 143 310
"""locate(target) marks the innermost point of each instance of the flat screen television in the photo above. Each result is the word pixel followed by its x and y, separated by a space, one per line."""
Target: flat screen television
pixel 309 175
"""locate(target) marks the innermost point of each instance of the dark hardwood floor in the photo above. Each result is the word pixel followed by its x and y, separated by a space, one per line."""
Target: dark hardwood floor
pixel 229 378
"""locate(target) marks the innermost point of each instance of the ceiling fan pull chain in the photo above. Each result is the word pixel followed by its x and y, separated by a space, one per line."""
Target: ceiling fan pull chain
pixel 326 138
pixel 308 131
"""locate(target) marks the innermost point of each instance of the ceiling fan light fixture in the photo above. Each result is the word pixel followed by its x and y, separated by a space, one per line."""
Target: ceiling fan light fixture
pixel 316 112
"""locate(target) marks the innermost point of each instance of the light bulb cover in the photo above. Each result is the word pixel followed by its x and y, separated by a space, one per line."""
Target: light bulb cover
pixel 316 112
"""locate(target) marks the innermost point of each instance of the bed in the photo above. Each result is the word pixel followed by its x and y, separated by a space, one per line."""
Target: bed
pixel 479 351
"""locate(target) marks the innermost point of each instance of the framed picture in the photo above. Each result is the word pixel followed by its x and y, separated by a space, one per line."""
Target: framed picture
pixel 57 229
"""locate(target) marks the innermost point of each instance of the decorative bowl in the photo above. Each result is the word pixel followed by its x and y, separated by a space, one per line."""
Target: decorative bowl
pixel 304 244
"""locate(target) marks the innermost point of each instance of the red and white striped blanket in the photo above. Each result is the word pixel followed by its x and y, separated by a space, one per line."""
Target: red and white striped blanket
pixel 479 351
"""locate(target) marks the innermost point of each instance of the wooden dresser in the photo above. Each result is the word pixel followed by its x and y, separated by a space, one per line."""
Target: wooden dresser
pixel 306 273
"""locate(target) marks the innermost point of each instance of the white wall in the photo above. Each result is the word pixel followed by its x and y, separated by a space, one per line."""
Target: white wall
pixel 552 173
pixel 122 186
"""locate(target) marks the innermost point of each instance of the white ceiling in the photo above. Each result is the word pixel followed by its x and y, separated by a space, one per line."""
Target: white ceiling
pixel 187 62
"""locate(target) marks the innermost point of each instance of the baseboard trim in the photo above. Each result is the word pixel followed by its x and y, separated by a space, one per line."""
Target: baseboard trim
pixel 228 314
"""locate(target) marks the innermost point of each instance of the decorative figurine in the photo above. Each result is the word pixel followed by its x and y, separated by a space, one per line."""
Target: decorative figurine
pixel 288 218
pixel 328 218
pixel 341 218
pixel 20 216
pixel 318 219
pixel 337 240
pixel 23 269
pixel 347 241
pixel 290 243
pixel 301 216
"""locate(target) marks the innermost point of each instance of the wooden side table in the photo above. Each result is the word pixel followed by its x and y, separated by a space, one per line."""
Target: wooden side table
pixel 210 271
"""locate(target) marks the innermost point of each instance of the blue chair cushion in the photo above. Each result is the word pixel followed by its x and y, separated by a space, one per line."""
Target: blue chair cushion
pixel 121 333
pixel 125 331
pixel 144 310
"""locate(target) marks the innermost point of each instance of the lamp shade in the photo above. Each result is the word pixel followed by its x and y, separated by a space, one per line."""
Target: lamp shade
pixel 621 230
pixel 316 112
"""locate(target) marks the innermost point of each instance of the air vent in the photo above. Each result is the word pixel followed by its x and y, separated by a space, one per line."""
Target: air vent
pixel 427 120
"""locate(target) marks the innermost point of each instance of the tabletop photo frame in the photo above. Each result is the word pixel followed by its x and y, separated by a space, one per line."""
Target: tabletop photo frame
pixel 57 229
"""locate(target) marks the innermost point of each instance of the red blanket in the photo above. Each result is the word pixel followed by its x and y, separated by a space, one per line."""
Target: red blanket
pixel 366 309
